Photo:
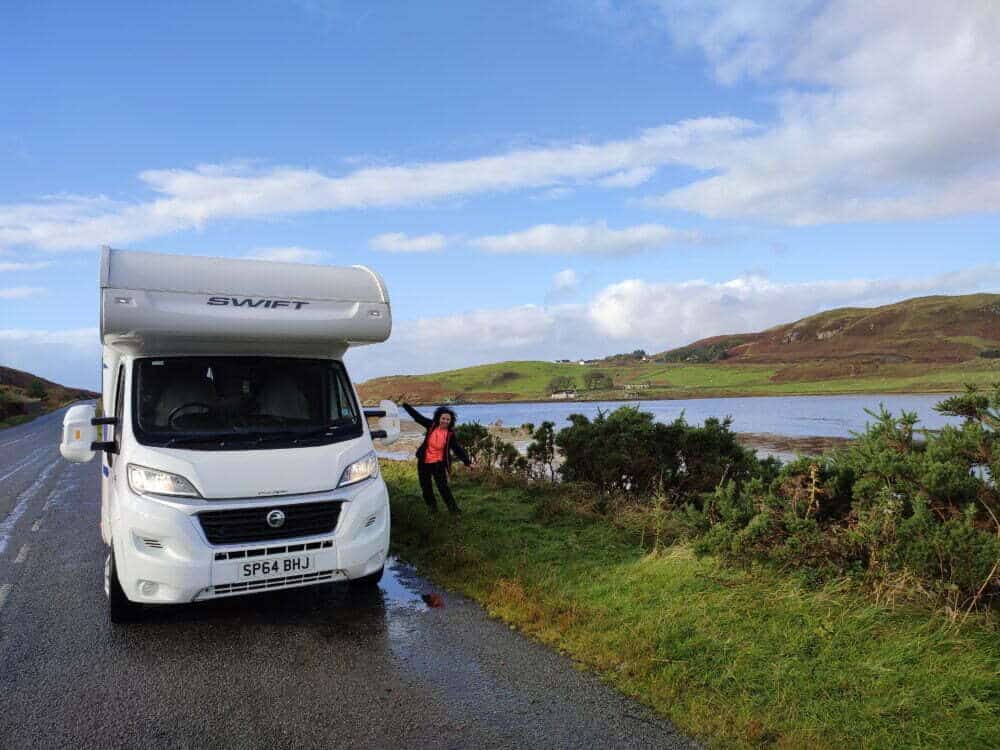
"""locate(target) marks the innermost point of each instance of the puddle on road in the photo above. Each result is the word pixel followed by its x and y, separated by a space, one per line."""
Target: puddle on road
pixel 398 585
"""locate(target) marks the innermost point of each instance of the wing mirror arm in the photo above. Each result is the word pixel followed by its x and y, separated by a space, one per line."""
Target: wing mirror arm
pixel 106 446
pixel 97 421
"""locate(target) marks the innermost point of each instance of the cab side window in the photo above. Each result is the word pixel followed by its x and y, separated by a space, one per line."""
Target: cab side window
pixel 119 410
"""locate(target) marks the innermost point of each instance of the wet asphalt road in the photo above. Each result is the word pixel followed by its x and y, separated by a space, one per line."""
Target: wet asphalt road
pixel 311 667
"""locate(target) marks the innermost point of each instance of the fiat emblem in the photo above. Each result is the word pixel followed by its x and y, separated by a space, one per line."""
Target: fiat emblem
pixel 276 519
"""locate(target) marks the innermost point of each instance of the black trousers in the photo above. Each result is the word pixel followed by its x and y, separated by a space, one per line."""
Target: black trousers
pixel 439 471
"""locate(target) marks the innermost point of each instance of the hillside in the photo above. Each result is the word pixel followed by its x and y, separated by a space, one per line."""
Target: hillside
pixel 927 344
pixel 23 395
pixel 924 329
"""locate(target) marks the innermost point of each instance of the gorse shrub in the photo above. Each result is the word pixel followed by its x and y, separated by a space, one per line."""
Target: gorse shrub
pixel 898 499
pixel 475 438
pixel 541 453
pixel 628 452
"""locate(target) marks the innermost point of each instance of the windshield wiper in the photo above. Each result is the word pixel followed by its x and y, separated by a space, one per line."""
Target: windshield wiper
pixel 296 435
pixel 211 437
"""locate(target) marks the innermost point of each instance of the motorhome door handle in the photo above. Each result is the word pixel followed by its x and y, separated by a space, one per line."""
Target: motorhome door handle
pixel 108 446
pixel 376 434
pixel 104 420
pixel 369 413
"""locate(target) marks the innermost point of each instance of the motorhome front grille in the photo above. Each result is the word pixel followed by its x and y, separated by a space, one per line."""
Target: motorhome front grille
pixel 272 583
pixel 251 524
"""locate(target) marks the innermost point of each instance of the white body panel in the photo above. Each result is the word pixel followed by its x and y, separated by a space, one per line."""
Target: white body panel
pixel 161 304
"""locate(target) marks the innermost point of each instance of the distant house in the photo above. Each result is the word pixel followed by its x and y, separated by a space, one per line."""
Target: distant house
pixel 636 386
pixel 563 395
pixel 582 362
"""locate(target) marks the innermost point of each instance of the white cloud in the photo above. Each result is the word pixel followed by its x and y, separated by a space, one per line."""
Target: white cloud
pixel 566 280
pixel 628 178
pixel 192 198
pixel 557 193
pixel 886 111
pixel 564 287
pixel 398 242
pixel 287 254
pixel 15 266
pixel 636 314
pixel 596 238
pixel 21 292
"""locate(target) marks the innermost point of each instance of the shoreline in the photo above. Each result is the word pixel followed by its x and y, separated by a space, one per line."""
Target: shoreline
pixel 654 396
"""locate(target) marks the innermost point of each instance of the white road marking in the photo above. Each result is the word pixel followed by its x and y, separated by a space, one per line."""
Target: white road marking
pixel 7 526
pixel 22 554
pixel 23 463
pixel 4 593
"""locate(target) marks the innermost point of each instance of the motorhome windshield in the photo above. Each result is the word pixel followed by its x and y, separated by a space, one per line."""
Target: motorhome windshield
pixel 233 403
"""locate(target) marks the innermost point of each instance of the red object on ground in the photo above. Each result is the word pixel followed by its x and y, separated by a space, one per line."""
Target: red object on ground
pixel 433 600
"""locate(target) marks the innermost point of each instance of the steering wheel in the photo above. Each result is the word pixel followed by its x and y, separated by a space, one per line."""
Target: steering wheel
pixel 174 412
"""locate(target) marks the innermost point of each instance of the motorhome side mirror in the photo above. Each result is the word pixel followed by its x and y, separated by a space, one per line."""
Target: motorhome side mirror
pixel 78 434
pixel 388 425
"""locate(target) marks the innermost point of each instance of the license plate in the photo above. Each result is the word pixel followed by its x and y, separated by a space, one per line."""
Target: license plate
pixel 252 570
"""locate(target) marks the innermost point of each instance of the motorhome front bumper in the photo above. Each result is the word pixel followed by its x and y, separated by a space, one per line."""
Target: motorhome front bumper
pixel 186 559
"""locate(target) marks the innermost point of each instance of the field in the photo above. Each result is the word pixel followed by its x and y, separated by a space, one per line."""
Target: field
pixel 528 381
pixel 736 657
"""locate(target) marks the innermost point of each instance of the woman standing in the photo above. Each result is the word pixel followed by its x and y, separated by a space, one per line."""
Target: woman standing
pixel 434 455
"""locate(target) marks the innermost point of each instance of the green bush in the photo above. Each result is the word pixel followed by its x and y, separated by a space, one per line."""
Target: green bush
pixel 542 450
pixel 628 452
pixel 561 383
pixel 37 390
pixel 595 380
pixel 475 438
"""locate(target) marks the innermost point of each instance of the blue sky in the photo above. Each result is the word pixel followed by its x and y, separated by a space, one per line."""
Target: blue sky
pixel 537 180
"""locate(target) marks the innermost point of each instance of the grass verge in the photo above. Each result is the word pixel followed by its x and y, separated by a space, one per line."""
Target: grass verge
pixel 735 657
pixel 16 420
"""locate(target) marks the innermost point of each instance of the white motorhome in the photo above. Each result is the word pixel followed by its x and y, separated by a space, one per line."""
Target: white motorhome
pixel 235 454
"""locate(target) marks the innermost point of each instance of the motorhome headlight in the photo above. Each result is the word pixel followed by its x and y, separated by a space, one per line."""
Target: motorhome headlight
pixel 360 470
pixel 154 482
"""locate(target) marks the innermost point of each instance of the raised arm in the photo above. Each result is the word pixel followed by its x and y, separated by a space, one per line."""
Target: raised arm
pixel 419 418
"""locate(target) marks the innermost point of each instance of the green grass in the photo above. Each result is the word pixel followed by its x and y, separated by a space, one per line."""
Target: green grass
pixel 16 420
pixel 738 658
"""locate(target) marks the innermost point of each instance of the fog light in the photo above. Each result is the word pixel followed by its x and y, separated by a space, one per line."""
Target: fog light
pixel 148 588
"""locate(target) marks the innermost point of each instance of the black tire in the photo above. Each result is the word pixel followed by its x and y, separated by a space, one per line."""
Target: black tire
pixel 120 608
pixel 368 582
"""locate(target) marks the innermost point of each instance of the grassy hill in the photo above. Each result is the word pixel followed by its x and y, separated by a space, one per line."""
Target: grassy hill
pixel 925 329
pixel 23 396
pixel 928 344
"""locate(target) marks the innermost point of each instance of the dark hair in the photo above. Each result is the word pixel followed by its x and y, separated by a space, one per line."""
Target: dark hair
pixel 444 410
